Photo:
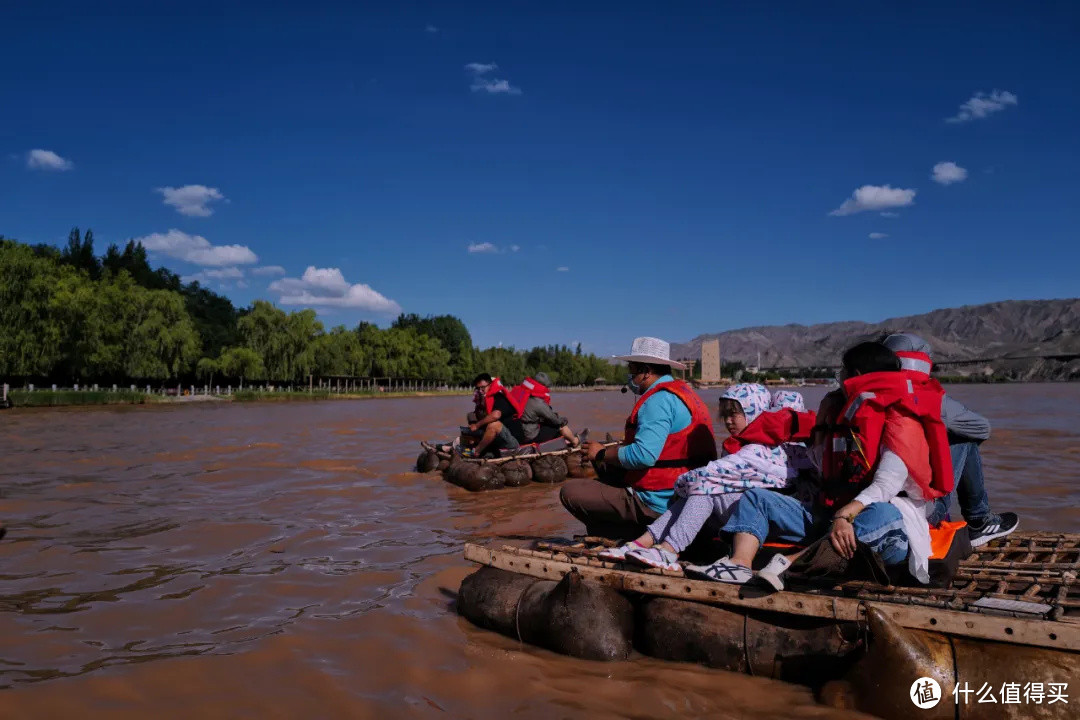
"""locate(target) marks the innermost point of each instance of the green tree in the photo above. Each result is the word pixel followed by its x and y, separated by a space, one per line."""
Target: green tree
pixel 163 342
pixel 79 253
pixel 206 368
pixel 451 333
pixel 284 341
pixel 32 336
pixel 243 363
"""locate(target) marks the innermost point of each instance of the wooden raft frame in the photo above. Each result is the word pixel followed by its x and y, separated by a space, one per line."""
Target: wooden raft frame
pixel 442 455
pixel 554 563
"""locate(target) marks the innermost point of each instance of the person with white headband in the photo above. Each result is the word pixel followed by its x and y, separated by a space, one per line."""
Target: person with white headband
pixel 967 430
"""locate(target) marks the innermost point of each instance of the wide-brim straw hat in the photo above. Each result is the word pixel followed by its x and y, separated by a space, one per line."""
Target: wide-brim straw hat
pixel 651 350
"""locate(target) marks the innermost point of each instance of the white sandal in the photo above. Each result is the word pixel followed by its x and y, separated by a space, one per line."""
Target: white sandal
pixel 619 553
pixel 655 557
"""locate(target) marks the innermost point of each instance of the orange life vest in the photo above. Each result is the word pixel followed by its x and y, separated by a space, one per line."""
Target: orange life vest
pixel 772 429
pixel 689 448
pixel 520 394
pixel 854 443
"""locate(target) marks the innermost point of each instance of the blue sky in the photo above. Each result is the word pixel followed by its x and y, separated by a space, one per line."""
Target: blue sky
pixel 678 161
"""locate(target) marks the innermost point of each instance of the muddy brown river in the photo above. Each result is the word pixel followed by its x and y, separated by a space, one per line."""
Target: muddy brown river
pixel 280 560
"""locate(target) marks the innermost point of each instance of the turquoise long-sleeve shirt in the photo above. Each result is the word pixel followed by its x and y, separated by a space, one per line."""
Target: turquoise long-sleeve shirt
pixel 659 416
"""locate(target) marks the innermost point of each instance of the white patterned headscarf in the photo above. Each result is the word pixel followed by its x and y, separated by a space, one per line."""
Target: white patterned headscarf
pixel 787 399
pixel 753 397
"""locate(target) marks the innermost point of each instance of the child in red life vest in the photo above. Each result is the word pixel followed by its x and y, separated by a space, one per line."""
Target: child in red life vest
pixel 710 493
pixel 885 459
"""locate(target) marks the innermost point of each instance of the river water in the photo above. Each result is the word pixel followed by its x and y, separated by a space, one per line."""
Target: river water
pixel 280 560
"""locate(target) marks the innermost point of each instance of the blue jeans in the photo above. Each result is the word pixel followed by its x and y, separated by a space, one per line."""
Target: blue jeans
pixel 766 514
pixel 970 487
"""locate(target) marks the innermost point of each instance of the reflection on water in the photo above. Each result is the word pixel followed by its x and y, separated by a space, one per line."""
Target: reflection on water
pixel 280 560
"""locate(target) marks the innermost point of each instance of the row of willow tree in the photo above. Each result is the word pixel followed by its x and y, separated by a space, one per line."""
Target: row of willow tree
pixel 67 315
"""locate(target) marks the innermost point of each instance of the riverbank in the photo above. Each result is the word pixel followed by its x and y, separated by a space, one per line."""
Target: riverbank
pixel 70 398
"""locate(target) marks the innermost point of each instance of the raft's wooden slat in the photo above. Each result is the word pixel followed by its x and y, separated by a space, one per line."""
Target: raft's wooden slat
pixel 1013 565
pixel 1041 633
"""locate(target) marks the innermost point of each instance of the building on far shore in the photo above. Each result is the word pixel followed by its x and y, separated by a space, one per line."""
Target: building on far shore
pixel 710 361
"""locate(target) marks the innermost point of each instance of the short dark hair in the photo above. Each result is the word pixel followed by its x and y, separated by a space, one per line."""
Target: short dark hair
pixel 868 357
pixel 482 377
pixel 654 368
pixel 730 406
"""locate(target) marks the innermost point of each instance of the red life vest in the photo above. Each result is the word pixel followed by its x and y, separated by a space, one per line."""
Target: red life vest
pixel 494 389
pixel 772 429
pixel 854 443
pixel 689 448
pixel 520 394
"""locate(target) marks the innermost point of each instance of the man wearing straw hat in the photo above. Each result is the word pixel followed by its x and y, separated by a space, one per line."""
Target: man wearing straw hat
pixel 668 432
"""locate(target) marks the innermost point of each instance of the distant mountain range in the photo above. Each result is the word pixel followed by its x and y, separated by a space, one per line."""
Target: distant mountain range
pixel 1013 336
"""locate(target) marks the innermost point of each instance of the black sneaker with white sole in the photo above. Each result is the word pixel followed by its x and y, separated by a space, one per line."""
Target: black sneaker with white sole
pixel 994 526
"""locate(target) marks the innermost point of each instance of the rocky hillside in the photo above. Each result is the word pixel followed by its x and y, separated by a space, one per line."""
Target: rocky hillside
pixel 1006 334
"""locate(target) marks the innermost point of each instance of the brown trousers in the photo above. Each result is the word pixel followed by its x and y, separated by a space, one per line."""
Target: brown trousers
pixel 607 508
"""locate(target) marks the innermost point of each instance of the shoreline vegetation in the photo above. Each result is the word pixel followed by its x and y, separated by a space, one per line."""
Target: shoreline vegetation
pixel 75 398
pixel 73 319
pixel 22 398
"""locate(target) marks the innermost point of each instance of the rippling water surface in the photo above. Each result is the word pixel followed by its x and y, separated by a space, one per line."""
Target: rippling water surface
pixel 279 560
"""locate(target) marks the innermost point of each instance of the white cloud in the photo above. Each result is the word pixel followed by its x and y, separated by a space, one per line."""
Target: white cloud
pixel 47 160
pixel 948 173
pixel 484 247
pixel 494 87
pixel 191 200
pixel 431 29
pixel 229 273
pixel 562 268
pixel 515 248
pixel 327 287
pixel 878 236
pixel 890 214
pixel 268 270
pixel 197 250
pixel 483 83
pixel 875 197
pixel 981 104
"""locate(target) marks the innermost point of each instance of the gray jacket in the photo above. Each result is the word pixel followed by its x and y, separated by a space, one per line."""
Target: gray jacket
pixel 964 425
pixel 538 412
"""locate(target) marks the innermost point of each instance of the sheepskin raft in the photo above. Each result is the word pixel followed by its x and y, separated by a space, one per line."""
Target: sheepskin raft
pixel 1011 614
pixel 480 474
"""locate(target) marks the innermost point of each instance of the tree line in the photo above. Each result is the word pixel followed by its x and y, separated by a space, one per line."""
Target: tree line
pixel 68 315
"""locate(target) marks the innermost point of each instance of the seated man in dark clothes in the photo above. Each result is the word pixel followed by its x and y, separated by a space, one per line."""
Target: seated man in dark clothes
pixel 500 427
pixel 540 423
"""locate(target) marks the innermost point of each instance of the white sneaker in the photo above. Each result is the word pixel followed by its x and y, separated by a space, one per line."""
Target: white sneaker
pixel 772 572
pixel 723 570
